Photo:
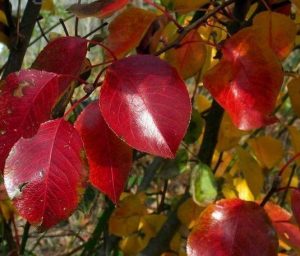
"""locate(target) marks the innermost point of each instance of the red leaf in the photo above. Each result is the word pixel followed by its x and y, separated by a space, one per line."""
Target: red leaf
pixel 145 102
pixel 277 213
pixel 231 227
pixel 45 175
pixel 100 9
pixel 26 100
pixel 64 55
pixel 246 82
pixel 289 233
pixel 109 158
pixel 295 203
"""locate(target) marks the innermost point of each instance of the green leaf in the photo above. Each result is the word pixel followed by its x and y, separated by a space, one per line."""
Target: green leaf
pixel 203 184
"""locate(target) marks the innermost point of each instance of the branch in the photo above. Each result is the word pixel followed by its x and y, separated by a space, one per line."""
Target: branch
pixel 18 51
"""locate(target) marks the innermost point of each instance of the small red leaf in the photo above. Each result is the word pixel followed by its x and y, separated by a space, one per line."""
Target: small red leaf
pixel 145 102
pixel 277 213
pixel 289 233
pixel 45 175
pixel 295 203
pixel 63 55
pixel 247 81
pixel 110 159
pixel 26 100
pixel 231 227
pixel 100 9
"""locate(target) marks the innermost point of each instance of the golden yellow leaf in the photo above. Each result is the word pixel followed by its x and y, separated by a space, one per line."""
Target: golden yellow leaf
pixel 188 212
pixel 251 170
pixel 184 6
pixel 243 189
pixel 268 151
pixel 202 103
pixel 150 224
pixel 133 244
pixel 126 217
pixel 3 18
pixel 295 139
pixel 48 5
pixel 229 136
pixel 294 94
pixel 6 209
pixel 275 30
pixel 189 58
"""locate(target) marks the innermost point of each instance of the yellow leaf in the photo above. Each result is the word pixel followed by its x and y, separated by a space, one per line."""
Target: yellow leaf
pixel 294 94
pixel 251 170
pixel 188 212
pixel 295 139
pixel 133 244
pixel 151 224
pixel 268 151
pixel 229 136
pixel 276 31
pixel 6 209
pixel 189 57
pixel 126 218
pixel 243 189
pixel 202 103
pixel 3 18
pixel 225 161
pixel 48 5
pixel 184 6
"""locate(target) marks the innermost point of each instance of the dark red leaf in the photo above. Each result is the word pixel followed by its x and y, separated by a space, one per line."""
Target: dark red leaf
pixel 247 80
pixel 26 100
pixel 100 9
pixel 63 55
pixel 230 227
pixel 110 159
pixel 295 203
pixel 45 175
pixel 145 102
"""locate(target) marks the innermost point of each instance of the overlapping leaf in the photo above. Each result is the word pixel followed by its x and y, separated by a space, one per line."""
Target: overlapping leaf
pixel 188 58
pixel 145 102
pixel 100 9
pixel 231 225
pixel 246 82
pixel 276 31
pixel 128 29
pixel 45 175
pixel 63 55
pixel 26 100
pixel 110 159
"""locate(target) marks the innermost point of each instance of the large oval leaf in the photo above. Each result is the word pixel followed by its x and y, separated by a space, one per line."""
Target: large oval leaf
pixel 63 55
pixel 45 175
pixel 230 228
pixel 247 80
pixel 110 159
pixel 145 102
pixel 26 100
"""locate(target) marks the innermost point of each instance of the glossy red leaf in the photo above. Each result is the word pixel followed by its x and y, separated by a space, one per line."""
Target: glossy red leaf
pixel 100 9
pixel 247 81
pixel 110 159
pixel 45 175
pixel 145 102
pixel 26 100
pixel 230 227
pixel 63 55
pixel 295 204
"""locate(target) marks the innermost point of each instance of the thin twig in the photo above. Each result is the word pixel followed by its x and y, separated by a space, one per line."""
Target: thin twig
pixel 24 238
pixel 42 31
pixel 64 27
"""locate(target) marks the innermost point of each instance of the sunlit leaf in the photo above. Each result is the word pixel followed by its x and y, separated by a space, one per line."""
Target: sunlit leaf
pixel 189 57
pixel 275 30
pixel 247 81
pixel 26 100
pixel 127 30
pixel 145 102
pixel 110 159
pixel 45 175
pixel 231 225
pixel 251 170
